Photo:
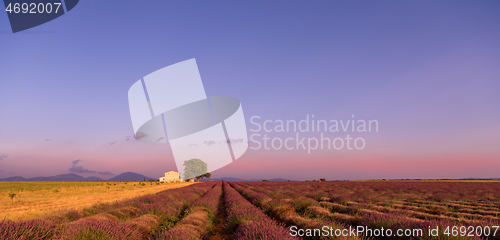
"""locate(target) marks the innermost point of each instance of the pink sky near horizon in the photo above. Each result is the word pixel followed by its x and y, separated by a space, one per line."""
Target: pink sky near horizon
pixel 376 161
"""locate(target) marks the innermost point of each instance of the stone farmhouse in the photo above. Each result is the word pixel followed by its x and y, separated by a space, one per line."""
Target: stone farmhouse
pixel 171 176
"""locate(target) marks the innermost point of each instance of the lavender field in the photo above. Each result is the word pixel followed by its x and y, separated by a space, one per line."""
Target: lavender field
pixel 283 210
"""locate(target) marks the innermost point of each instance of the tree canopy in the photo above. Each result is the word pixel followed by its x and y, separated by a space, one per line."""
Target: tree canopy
pixel 193 168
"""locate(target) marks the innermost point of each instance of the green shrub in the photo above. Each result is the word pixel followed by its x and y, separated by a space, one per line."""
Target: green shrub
pixel 12 195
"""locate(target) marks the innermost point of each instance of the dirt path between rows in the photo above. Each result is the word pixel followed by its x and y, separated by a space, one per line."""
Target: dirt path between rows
pixel 218 230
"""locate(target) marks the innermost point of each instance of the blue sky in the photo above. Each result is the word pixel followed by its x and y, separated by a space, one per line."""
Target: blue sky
pixel 426 70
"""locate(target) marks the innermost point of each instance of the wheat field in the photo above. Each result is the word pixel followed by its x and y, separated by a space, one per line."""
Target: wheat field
pixel 35 199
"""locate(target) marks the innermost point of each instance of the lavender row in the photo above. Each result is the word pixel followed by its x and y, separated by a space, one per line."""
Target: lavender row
pixel 286 212
pixel 248 221
pixel 129 219
pixel 198 217
pixel 352 214
pixel 485 194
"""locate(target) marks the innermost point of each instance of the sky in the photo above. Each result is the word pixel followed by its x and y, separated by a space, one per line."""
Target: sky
pixel 427 71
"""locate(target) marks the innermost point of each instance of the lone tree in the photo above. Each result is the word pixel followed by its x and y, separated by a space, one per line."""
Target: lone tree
pixel 194 168
pixel 12 195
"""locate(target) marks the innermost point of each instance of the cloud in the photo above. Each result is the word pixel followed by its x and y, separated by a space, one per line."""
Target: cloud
pixel 3 156
pixel 239 140
pixel 210 142
pixel 80 169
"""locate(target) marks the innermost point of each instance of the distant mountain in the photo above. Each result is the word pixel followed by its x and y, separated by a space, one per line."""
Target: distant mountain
pixel 62 177
pixel 270 180
pixel 13 179
pixel 93 178
pixel 225 179
pixel 279 180
pixel 130 176
pixel 479 179
pixel 244 180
